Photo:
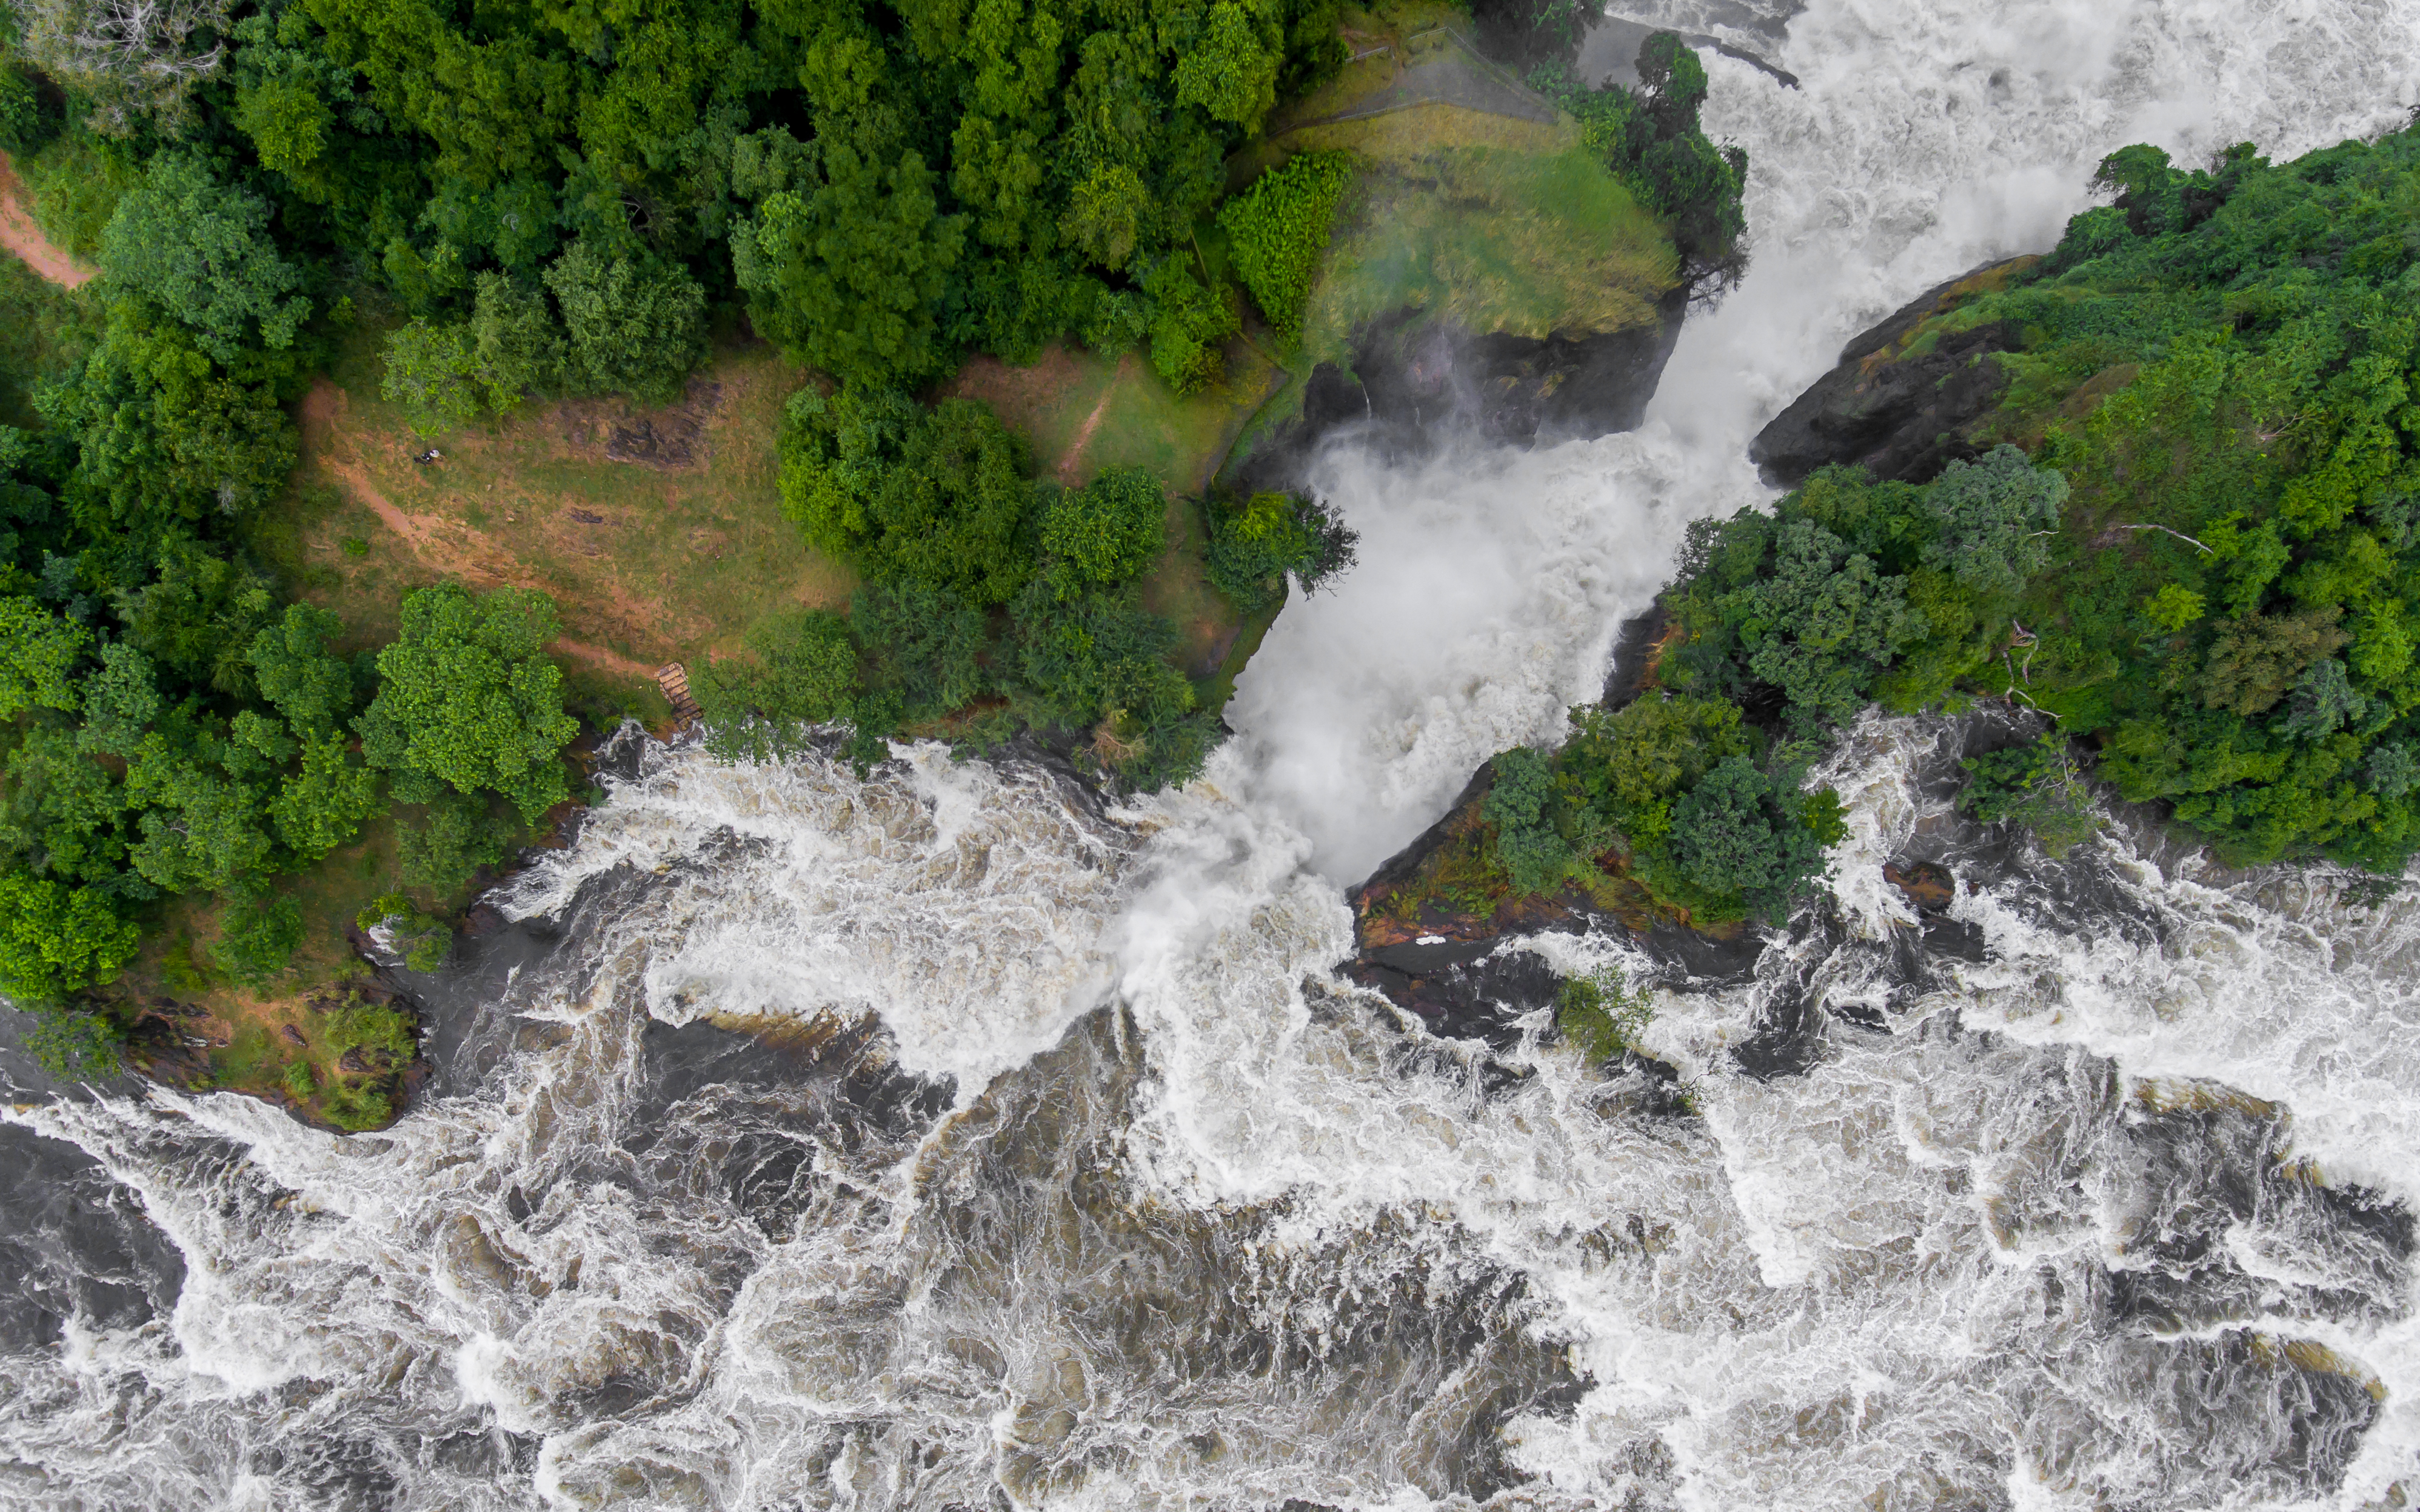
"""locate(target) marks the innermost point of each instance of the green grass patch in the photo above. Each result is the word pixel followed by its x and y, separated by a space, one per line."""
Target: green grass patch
pixel 1496 240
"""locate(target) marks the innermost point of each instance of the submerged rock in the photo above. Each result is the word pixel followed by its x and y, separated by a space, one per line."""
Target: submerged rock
pixel 1900 401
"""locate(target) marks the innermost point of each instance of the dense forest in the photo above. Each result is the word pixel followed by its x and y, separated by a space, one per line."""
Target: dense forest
pixel 2187 531
pixel 523 202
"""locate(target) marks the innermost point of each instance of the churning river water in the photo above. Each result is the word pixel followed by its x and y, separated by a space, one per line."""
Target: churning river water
pixel 1056 1167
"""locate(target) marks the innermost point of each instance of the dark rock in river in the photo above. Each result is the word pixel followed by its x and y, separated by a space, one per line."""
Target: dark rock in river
pixel 1898 411
pixel 1634 655
pixel 1417 384
pixel 1442 944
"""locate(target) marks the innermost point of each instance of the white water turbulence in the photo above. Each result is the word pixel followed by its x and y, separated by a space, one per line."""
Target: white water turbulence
pixel 1924 139
pixel 944 1140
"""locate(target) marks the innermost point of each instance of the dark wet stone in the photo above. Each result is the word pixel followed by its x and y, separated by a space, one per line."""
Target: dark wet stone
pixel 1898 417
pixel 1927 886
pixel 1416 385
pixel 1634 652
pixel 74 1244
pixel 484 919
pixel 1479 996
pixel 1955 937
pixel 1788 1038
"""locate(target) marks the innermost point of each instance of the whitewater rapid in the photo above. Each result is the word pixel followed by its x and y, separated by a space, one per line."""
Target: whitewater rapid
pixel 1056 1167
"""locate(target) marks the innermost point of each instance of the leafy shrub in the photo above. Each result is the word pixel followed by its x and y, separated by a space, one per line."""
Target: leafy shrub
pixel 26 125
pixel 800 671
pixel 380 1029
pixel 633 325
pixel 2034 785
pixel 55 940
pixel 516 346
pixel 939 498
pixel 1255 544
pixel 37 649
pixel 1519 804
pixel 1081 658
pixel 258 932
pixel 1120 321
pixel 1107 532
pixel 925 644
pixel 423 940
pixel 299 1081
pixel 72 1047
pixel 1601 1013
pixel 1278 228
pixel 1668 781
pixel 355 1106
pixel 201 249
pixel 1853 590
pixel 469 698
pixel 429 373
pixel 77 181
pixel 1629 765
pixel 850 275
pixel 456 834
pixel 1189 325
pixel 936 511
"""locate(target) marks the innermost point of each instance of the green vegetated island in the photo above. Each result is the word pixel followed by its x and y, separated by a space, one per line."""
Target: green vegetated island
pixel 2161 485
pixel 442 370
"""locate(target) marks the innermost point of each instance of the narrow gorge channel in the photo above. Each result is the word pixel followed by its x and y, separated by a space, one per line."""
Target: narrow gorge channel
pixel 947 1139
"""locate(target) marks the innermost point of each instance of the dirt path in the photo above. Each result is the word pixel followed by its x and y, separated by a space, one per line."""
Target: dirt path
pixel 1092 422
pixel 20 235
pixel 471 559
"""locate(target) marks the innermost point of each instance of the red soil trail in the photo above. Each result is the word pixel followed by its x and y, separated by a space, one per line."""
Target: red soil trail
pixel 20 235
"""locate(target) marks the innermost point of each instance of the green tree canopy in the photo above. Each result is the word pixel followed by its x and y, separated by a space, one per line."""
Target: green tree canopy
pixel 849 275
pixel 1278 228
pixel 37 649
pixel 939 498
pixel 201 248
pixel 297 674
pixel 467 698
pixel 632 325
pixel 57 940
pixel 1110 530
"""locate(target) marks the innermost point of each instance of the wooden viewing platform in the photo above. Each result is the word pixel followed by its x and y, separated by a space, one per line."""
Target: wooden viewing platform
pixel 673 679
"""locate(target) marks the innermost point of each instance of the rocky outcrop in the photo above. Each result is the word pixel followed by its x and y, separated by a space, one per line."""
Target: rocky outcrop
pixel 1415 384
pixel 1433 932
pixel 1433 927
pixel 1902 403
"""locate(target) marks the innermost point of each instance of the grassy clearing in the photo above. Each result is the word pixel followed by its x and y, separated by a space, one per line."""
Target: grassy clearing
pixel 1495 223
pixel 659 531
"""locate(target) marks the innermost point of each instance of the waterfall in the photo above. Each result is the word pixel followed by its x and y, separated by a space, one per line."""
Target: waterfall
pixel 948 1139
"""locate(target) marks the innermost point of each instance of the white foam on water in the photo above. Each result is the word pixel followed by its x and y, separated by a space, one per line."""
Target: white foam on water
pixel 961 902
